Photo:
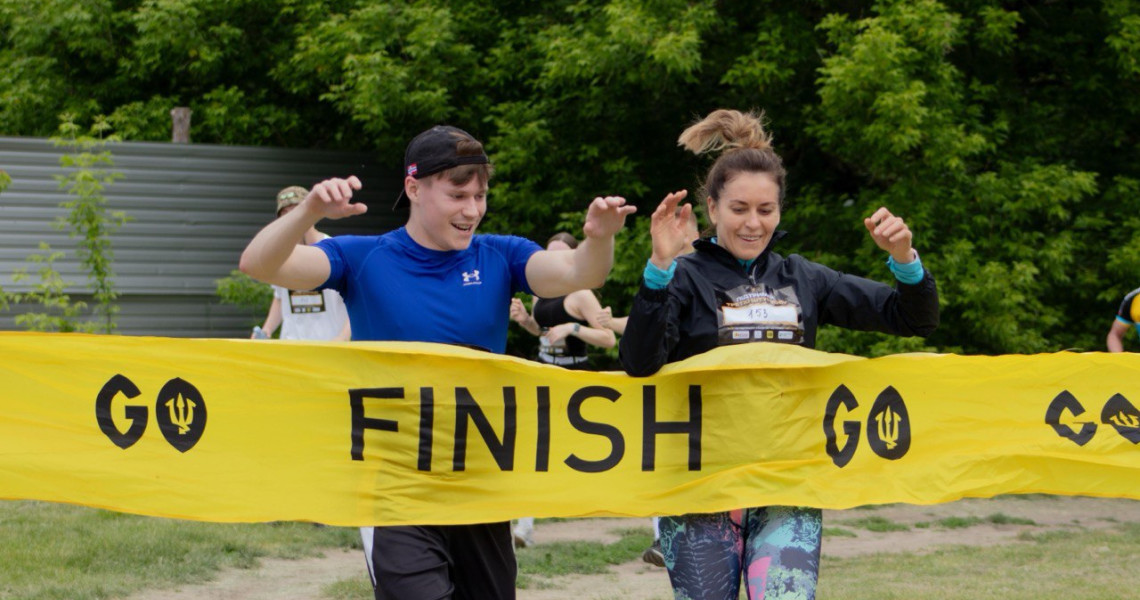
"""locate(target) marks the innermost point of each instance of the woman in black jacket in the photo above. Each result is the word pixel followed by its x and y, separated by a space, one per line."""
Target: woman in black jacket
pixel 735 289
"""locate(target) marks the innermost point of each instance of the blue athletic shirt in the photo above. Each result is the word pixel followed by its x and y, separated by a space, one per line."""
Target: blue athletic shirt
pixel 397 290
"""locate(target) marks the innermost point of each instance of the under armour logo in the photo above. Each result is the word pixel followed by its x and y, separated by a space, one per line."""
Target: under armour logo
pixel 471 278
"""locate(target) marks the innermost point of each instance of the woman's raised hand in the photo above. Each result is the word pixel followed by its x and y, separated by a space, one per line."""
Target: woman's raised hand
pixel 891 234
pixel 669 229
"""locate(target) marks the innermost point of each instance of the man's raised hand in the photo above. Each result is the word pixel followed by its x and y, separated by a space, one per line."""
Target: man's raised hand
pixel 331 198
pixel 606 216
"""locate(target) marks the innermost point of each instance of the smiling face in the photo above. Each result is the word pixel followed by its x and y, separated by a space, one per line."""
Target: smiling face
pixel 444 215
pixel 746 214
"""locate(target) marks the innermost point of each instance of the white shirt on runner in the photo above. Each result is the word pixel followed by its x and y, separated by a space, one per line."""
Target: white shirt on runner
pixel 310 315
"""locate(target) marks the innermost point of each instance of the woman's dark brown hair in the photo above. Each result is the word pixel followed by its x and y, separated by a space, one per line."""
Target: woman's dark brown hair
pixel 565 238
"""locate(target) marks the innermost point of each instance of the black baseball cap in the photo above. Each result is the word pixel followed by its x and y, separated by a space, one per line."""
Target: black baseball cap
pixel 433 151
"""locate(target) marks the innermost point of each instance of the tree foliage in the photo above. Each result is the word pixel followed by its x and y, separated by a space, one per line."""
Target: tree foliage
pixel 56 311
pixel 86 220
pixel 1005 133
pixel 244 292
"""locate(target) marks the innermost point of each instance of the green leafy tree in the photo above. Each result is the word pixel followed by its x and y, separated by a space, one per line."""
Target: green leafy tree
pixel 59 312
pixel 244 292
pixel 1006 134
pixel 909 100
pixel 88 222
pixel 87 219
pixel 135 60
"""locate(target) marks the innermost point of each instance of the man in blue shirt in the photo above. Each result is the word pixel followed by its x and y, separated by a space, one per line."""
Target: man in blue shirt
pixel 433 280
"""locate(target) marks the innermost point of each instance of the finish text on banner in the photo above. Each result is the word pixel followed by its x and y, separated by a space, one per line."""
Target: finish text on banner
pixel 401 433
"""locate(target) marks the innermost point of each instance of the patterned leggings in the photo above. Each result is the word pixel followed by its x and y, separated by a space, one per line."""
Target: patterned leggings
pixel 775 547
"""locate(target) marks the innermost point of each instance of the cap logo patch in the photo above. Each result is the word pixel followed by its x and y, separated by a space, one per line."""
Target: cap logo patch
pixel 412 169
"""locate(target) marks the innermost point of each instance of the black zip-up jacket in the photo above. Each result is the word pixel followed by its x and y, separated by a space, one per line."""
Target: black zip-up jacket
pixel 681 320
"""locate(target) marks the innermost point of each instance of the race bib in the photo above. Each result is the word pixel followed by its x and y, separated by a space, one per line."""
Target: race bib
pixel 760 314
pixel 306 302
pixel 545 346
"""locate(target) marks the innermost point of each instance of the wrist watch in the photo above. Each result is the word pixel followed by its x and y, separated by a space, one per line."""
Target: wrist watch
pixel 577 327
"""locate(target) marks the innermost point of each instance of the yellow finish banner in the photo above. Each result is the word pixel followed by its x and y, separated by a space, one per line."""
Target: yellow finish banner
pixel 400 433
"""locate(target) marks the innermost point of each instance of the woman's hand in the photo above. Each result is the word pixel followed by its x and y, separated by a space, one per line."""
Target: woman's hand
pixel 669 229
pixel 891 234
pixel 556 334
pixel 518 311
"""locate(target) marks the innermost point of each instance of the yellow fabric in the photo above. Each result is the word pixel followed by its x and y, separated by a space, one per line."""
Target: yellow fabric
pixel 239 430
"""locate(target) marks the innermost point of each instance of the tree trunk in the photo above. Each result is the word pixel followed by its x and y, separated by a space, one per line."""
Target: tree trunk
pixel 181 118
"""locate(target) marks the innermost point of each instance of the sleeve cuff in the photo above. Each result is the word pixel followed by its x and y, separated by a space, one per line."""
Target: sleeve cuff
pixel 909 273
pixel 656 278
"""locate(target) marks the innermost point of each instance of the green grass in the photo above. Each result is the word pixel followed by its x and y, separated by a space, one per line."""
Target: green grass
pixel 1081 565
pixel 875 523
pixel 874 506
pixel 1004 519
pixel 357 588
pixel 1043 537
pixel 964 522
pixel 50 552
pixel 958 522
pixel 1046 497
pixel 60 552
pixel 538 563
pixel 838 532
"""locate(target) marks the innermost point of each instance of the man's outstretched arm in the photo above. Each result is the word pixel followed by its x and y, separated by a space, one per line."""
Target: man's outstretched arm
pixel 276 255
pixel 557 273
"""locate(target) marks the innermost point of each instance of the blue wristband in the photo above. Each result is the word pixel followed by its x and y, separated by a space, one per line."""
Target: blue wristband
pixel 657 278
pixel 909 273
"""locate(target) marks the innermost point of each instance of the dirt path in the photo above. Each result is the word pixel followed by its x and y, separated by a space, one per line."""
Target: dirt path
pixel 1047 512
pixel 274 579
pixel 635 580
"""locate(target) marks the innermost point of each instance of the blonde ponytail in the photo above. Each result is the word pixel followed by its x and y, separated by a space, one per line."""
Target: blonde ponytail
pixel 743 146
pixel 726 130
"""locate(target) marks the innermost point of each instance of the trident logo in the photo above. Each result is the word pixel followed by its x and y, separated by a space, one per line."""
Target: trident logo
pixel 889 427
pixel 1122 419
pixel 181 413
